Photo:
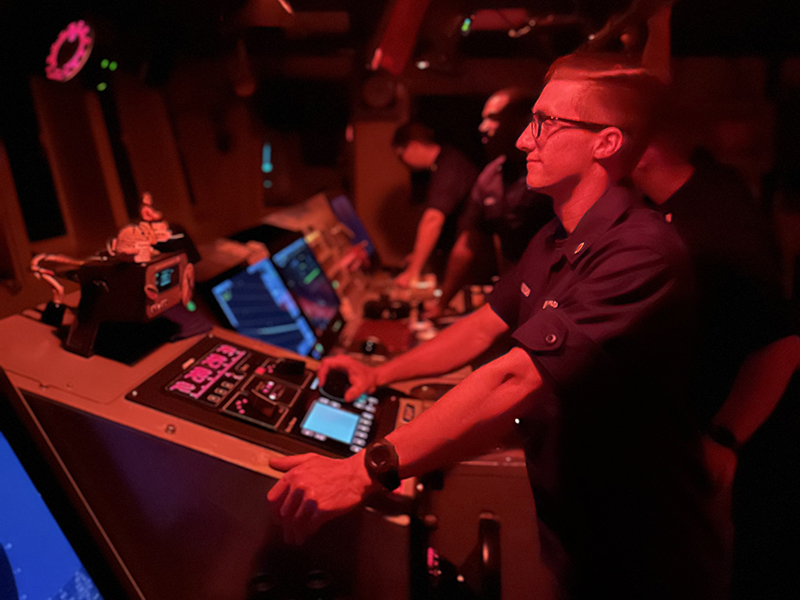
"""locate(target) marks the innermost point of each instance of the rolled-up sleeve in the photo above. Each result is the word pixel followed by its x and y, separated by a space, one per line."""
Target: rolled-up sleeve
pixel 579 326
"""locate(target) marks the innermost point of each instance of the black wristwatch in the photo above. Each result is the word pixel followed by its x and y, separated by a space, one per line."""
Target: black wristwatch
pixel 382 463
pixel 724 437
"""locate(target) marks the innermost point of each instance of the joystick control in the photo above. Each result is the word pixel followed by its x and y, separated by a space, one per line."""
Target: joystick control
pixel 336 384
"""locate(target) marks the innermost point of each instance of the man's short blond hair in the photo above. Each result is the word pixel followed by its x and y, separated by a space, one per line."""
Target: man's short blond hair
pixel 618 92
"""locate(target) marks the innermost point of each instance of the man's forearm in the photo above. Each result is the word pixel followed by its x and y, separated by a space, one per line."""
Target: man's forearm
pixel 472 418
pixel 758 387
pixel 451 349
pixel 428 231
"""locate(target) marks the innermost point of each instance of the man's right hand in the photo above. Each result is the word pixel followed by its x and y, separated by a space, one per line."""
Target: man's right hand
pixel 363 379
pixel 406 279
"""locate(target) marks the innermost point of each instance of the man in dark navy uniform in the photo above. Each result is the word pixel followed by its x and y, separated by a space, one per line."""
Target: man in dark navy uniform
pixel 599 309
pixel 747 356
pixel 451 178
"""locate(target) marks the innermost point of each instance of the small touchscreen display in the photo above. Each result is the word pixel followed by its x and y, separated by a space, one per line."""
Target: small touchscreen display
pixel 331 422
pixel 166 278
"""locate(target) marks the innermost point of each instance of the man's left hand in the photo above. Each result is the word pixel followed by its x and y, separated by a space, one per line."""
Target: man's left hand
pixel 316 489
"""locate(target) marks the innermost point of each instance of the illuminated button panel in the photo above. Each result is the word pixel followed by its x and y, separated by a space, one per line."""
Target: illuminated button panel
pixel 210 379
pixel 242 383
pixel 241 391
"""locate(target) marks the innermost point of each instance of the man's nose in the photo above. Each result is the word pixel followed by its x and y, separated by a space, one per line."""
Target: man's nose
pixel 525 141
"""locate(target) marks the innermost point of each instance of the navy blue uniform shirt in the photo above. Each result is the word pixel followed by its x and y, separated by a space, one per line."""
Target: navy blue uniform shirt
pixel 501 203
pixel 734 252
pixel 451 180
pixel 606 316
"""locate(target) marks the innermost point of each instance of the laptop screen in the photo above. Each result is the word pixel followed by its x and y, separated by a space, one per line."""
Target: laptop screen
pixel 256 303
pixel 304 277
pixel 306 281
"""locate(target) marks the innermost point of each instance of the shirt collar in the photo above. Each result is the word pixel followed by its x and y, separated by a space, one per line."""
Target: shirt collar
pixel 595 222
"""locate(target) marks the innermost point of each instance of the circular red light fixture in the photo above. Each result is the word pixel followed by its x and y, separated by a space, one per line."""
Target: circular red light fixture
pixel 77 34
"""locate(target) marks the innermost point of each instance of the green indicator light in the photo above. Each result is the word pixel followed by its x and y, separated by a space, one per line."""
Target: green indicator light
pixel 465 26
pixel 101 87
pixel 191 306
pixel 312 275
pixel 112 66
pixel 104 63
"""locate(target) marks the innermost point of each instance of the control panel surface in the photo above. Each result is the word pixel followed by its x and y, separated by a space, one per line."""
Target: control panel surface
pixel 246 393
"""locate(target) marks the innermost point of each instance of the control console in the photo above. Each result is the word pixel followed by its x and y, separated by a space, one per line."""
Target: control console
pixel 273 401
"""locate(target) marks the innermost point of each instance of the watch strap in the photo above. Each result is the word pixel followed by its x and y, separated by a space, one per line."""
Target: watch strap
pixel 724 437
pixel 382 464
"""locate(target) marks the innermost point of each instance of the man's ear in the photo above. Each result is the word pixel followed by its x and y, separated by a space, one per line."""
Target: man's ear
pixel 608 142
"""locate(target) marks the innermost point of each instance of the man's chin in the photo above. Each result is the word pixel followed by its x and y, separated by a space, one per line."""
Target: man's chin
pixel 534 183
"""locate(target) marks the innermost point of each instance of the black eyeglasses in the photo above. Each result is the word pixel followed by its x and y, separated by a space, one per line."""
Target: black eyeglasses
pixel 538 118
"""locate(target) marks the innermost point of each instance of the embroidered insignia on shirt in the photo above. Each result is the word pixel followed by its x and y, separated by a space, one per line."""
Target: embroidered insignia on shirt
pixel 526 291
pixel 550 303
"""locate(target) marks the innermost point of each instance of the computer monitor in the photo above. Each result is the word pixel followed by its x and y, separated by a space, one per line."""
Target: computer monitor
pixel 305 279
pixel 254 301
pixel 304 276
pixel 51 544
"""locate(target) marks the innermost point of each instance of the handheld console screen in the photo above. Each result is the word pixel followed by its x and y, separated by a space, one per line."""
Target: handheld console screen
pixel 306 281
pixel 330 421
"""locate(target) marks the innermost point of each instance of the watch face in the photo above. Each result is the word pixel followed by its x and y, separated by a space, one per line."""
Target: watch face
pixel 381 461
pixel 380 456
